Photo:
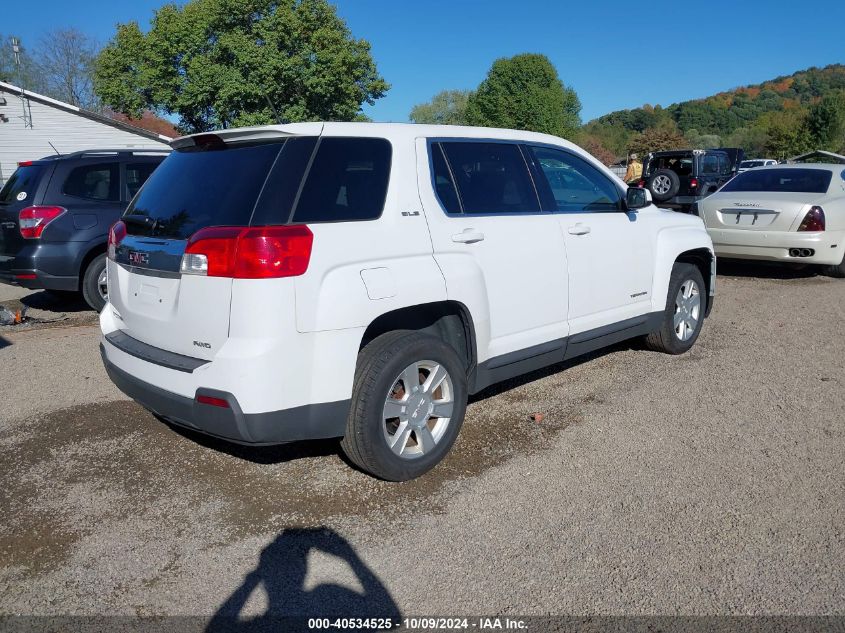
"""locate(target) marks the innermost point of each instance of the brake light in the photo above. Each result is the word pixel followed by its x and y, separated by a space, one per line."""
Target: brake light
pixel 813 221
pixel 116 234
pixel 25 163
pixel 693 183
pixel 33 220
pixel 641 183
pixel 260 252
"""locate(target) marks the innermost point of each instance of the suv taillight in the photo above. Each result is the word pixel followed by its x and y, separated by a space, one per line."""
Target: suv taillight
pixel 641 183
pixel 693 183
pixel 260 252
pixel 813 221
pixel 33 220
pixel 116 234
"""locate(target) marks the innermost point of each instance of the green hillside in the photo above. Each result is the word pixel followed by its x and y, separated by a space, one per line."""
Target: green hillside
pixel 780 117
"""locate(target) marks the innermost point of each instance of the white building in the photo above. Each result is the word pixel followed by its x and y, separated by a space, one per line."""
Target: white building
pixel 33 126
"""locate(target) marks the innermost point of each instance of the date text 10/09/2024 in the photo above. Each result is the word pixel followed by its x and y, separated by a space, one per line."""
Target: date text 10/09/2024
pixel 420 623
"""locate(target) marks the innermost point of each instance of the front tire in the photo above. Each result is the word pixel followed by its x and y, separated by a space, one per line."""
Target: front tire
pixel 408 405
pixel 94 289
pixel 683 317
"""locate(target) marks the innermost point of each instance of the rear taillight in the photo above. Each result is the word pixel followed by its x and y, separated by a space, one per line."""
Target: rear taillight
pixel 641 183
pixel 813 221
pixel 33 220
pixel 260 252
pixel 693 183
pixel 116 234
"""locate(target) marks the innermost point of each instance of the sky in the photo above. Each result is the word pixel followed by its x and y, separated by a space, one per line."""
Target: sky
pixel 614 54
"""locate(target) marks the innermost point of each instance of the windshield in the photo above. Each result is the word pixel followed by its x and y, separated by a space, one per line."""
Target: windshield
pixel 793 180
pixel 751 163
pixel 21 186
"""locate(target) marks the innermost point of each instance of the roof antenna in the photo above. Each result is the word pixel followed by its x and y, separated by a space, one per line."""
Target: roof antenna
pixel 279 119
pixel 54 148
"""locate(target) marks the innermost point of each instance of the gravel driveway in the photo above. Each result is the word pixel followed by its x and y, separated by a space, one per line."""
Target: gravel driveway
pixel 709 483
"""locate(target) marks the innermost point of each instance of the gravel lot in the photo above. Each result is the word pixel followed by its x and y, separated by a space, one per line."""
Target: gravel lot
pixel 710 483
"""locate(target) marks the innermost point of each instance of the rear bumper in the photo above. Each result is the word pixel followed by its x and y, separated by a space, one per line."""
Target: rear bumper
pixel 315 421
pixel 38 280
pixel 55 265
pixel 829 246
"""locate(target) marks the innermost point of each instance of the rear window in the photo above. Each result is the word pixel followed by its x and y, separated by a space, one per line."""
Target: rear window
pixel 263 184
pixel 751 163
pixel 193 189
pixel 680 164
pixel 21 186
pixel 784 180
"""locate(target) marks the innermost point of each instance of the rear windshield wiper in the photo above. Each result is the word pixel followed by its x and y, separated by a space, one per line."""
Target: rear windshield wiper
pixel 143 220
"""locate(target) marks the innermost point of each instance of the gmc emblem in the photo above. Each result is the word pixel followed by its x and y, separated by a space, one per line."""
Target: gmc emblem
pixel 138 259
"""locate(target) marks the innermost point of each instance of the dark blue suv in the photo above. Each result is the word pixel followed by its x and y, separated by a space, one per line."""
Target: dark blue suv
pixel 55 214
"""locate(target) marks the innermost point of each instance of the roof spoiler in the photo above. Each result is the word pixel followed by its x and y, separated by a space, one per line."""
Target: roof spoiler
pixel 262 133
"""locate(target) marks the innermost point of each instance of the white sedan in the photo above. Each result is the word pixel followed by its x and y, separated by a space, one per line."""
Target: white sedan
pixel 785 213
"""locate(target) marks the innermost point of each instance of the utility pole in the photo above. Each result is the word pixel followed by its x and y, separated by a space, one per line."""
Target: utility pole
pixel 27 112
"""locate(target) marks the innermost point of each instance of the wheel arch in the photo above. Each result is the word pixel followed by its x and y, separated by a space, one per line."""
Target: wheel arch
pixel 448 320
pixel 89 253
pixel 685 244
pixel 705 261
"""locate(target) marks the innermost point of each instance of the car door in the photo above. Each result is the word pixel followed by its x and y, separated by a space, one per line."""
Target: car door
pixel 610 252
pixel 498 252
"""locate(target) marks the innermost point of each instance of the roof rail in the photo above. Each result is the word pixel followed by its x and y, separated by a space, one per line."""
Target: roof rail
pixel 109 152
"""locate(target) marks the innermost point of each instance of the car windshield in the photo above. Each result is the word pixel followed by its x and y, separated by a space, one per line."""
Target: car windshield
pixel 751 163
pixel 22 184
pixel 788 180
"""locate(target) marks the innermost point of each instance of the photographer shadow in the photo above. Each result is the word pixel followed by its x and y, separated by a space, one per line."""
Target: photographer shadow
pixel 282 572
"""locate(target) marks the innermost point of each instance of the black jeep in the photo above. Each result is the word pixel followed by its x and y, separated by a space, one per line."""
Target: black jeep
pixel 679 178
pixel 55 215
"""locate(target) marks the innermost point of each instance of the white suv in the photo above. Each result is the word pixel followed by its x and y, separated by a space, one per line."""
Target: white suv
pixel 360 280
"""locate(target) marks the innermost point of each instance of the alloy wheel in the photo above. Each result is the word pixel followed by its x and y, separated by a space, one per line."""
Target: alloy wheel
pixel 418 409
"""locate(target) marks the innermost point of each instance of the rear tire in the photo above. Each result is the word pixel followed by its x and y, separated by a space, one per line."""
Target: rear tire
pixel 836 270
pixel 683 317
pixel 93 283
pixel 429 405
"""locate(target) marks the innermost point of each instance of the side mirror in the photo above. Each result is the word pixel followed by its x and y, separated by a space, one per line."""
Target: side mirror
pixel 637 198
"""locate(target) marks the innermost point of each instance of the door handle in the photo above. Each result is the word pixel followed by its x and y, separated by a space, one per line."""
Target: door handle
pixel 579 229
pixel 468 236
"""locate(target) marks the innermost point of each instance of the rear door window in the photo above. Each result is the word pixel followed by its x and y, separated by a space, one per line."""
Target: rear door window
pixel 710 164
pixel 491 177
pixel 444 184
pixel 100 181
pixel 21 186
pixel 347 181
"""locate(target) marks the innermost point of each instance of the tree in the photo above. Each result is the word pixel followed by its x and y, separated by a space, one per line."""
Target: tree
pixel 66 63
pixel 447 107
pixel 222 63
pixel 594 146
pixel 525 93
pixel 27 75
pixel 786 133
pixel 825 123
pixel 657 139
